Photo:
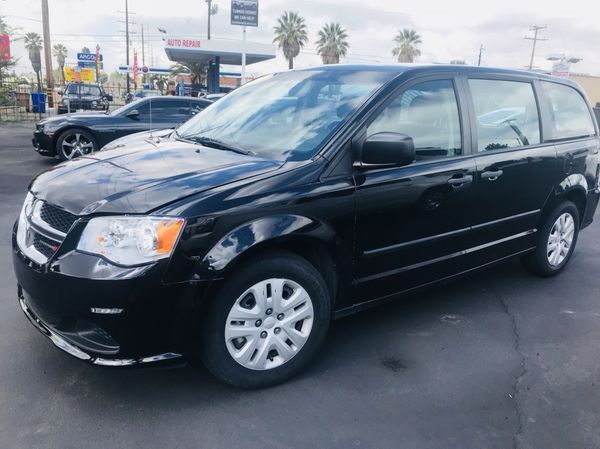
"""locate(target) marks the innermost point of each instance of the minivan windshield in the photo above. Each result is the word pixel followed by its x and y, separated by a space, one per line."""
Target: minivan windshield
pixel 285 116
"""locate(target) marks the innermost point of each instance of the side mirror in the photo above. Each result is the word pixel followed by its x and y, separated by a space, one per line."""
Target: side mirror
pixel 388 148
pixel 133 114
pixel 108 97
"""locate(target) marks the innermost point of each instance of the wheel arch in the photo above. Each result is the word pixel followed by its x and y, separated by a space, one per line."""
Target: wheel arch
pixel 71 127
pixel 573 188
pixel 306 237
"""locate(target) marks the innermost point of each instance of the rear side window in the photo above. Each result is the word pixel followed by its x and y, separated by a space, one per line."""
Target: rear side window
pixel 170 109
pixel 507 114
pixel 427 112
pixel 570 116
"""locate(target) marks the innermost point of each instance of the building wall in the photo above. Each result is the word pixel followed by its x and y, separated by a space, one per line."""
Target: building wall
pixel 591 85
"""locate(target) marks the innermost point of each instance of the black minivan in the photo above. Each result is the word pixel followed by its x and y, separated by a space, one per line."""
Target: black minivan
pixel 301 197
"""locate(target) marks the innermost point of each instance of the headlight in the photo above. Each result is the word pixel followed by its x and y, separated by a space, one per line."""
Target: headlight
pixel 22 226
pixel 50 128
pixel 131 240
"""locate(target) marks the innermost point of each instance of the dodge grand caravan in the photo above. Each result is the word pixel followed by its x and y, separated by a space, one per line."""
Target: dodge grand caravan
pixel 302 197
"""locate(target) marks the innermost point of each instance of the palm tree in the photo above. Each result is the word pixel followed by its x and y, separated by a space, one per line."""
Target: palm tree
pixel 406 45
pixel 5 28
pixel 60 52
pixel 196 70
pixel 290 35
pixel 33 45
pixel 332 43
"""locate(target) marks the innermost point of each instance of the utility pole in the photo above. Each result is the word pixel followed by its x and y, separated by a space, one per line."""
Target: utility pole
pixel 47 52
pixel 535 38
pixel 127 37
pixel 480 53
pixel 209 2
pixel 143 55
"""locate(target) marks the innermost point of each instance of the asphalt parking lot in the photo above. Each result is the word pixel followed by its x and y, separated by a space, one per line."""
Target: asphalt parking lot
pixel 498 360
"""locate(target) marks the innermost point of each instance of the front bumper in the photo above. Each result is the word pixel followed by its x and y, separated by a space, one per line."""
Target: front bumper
pixel 122 321
pixel 43 143
pixel 61 342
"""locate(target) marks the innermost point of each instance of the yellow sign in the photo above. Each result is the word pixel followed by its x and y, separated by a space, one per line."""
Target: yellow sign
pixel 85 74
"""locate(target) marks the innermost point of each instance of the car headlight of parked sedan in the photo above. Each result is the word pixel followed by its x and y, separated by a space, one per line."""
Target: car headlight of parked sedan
pixel 50 128
pixel 131 241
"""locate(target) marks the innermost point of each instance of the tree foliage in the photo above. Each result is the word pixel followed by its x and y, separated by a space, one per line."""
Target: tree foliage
pixel 407 42
pixel 290 35
pixel 196 71
pixel 33 45
pixel 60 53
pixel 332 43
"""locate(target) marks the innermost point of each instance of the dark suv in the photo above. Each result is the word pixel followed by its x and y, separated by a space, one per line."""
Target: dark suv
pixel 298 198
pixel 81 96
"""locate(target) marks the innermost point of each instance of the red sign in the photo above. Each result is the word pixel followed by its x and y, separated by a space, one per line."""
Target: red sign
pixel 135 69
pixel 184 43
pixel 4 47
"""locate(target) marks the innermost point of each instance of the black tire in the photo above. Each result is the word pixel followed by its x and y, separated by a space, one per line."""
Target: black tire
pixel 70 135
pixel 280 264
pixel 537 262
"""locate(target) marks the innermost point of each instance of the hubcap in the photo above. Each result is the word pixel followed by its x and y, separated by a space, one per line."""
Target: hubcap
pixel 560 239
pixel 259 340
pixel 76 145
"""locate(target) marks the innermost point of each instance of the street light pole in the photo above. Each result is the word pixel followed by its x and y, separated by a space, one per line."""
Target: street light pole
pixel 209 2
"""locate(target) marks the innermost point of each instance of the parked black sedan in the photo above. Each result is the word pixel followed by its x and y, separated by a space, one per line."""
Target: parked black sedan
pixel 73 135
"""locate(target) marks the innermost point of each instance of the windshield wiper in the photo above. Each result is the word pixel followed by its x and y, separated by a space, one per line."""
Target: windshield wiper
pixel 214 143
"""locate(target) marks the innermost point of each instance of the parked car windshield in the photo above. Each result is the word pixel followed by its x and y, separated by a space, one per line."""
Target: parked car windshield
pixel 285 116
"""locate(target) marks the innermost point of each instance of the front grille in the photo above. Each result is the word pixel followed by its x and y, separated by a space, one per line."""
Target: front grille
pixel 45 245
pixel 57 218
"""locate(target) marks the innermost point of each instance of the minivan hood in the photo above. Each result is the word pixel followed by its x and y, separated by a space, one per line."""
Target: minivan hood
pixel 143 176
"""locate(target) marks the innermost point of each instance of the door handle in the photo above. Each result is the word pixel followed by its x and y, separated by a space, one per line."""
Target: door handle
pixel 459 182
pixel 491 175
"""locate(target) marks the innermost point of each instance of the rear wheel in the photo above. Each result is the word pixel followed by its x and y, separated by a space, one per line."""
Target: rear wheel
pixel 268 321
pixel 557 239
pixel 74 143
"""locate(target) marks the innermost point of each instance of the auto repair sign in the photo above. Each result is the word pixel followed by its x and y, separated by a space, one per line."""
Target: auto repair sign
pixel 244 12
pixel 184 43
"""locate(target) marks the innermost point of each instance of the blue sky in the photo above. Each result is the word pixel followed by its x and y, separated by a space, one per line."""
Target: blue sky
pixel 449 30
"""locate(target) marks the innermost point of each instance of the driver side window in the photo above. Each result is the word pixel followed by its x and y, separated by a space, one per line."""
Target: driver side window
pixel 428 113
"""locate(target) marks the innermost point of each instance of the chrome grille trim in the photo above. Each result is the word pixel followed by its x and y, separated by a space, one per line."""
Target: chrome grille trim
pixel 37 229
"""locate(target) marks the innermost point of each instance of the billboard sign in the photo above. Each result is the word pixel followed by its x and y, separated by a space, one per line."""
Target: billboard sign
pixel 561 69
pixel 90 64
pixel 244 12
pixel 88 57
pixel 4 47
pixel 79 74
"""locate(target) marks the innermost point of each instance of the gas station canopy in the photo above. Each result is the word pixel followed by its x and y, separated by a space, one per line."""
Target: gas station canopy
pixel 227 52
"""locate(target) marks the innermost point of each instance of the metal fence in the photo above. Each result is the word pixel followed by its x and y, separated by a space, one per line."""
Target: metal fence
pixel 15 102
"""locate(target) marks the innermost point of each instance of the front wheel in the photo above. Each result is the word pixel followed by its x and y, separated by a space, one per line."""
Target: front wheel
pixel 267 322
pixel 556 242
pixel 74 143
